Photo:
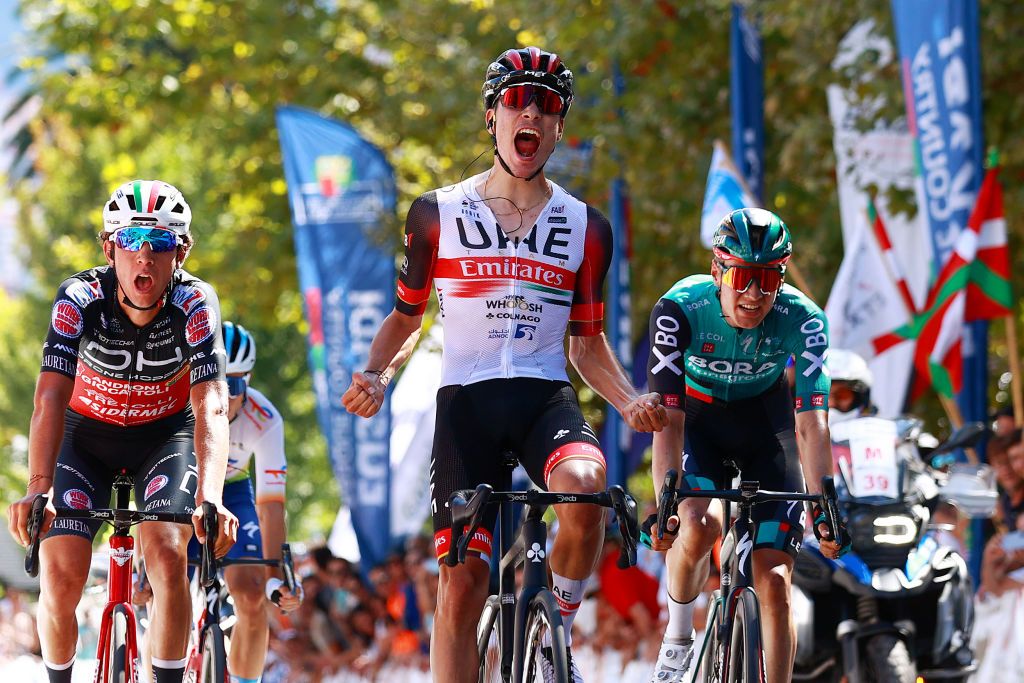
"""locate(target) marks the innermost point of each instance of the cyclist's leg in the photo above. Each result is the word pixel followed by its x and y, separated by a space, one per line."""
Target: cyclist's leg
pixel 166 482
pixel 775 463
pixel 65 554
pixel 249 637
pixel 463 456
pixel 562 453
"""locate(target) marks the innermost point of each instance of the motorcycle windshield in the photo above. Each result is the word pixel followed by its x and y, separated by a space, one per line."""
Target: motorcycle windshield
pixel 866 459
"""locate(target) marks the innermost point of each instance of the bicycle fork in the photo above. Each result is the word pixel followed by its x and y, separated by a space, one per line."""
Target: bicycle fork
pixel 119 585
pixel 533 539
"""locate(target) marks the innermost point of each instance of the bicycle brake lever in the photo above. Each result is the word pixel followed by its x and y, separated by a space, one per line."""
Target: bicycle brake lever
pixel 629 527
pixel 208 560
pixel 667 501
pixel 35 522
pixel 287 568
pixel 830 504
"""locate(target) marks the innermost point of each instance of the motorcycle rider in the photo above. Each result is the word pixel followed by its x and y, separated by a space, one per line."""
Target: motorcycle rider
pixel 850 394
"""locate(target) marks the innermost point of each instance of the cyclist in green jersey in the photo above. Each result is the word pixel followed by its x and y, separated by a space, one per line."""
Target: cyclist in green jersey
pixel 720 344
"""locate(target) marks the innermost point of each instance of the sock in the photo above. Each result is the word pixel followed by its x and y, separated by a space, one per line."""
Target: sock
pixel 239 679
pixel 680 620
pixel 568 595
pixel 168 670
pixel 59 673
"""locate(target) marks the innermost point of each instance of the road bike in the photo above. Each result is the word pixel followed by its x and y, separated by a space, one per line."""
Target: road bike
pixel 117 648
pixel 733 650
pixel 513 627
pixel 207 657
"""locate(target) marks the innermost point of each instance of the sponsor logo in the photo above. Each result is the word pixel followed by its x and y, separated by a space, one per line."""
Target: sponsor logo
pixel 497 334
pixel 201 372
pixel 155 484
pixel 665 335
pixel 498 268
pixel 84 293
pixel 707 347
pixel 186 298
pixel 799 403
pixel 698 304
pixel 333 174
pixel 743 548
pixel 557 219
pixel 817 400
pixel 200 326
pixel 526 332
pixel 66 320
pixel 513 316
pixel 77 499
pixel 515 301
pixel 535 553
pixel 558 209
pixel 405 266
pixel 251 528
pixel 671 400
pixel 75 525
pixel 728 367
pixel 121 556
pixel 158 503
pixel 560 433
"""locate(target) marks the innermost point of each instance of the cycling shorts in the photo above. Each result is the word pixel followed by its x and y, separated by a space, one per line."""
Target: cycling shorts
pixel 239 500
pixel 537 419
pixel 759 435
pixel 159 455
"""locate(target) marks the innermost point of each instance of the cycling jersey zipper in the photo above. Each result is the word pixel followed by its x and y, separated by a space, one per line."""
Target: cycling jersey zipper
pixel 506 360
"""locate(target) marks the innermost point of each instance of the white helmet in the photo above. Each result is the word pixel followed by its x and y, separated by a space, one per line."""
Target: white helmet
pixel 147 202
pixel 240 347
pixel 846 366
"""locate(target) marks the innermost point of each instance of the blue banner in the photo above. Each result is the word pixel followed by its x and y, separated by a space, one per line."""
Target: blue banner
pixel 747 86
pixel 615 437
pixel 940 61
pixel 340 189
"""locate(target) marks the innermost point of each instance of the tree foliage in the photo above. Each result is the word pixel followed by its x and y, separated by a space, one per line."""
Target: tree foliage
pixel 185 90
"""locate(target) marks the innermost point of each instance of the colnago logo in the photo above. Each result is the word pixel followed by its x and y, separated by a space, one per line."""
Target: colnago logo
pixel 513 316
pixel 515 301
pixel 728 367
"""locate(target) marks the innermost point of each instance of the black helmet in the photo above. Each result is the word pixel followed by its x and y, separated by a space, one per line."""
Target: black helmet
pixel 528 65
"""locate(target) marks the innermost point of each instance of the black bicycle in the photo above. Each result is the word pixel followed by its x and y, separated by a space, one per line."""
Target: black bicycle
pixel 733 650
pixel 512 627
pixel 207 656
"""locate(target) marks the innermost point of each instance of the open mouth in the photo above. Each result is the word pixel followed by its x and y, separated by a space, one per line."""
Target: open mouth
pixel 143 283
pixel 527 142
pixel 749 308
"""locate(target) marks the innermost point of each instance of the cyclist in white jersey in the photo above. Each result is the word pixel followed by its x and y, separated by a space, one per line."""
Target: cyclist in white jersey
pixel 516 262
pixel 256 454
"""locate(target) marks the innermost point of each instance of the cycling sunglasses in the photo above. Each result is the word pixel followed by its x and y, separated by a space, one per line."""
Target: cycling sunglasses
pixel 237 384
pixel 519 97
pixel 133 237
pixel 769 279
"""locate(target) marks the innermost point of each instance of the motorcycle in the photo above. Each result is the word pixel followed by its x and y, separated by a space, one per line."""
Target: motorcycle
pixel 899 606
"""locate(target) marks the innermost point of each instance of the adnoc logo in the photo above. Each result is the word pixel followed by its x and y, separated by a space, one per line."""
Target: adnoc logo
pixel 333 174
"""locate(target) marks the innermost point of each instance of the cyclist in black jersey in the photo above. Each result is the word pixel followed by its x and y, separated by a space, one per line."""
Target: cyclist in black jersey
pixel 516 262
pixel 719 352
pixel 132 378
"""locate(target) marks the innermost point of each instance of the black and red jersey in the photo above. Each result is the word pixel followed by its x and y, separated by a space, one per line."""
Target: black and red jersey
pixel 127 375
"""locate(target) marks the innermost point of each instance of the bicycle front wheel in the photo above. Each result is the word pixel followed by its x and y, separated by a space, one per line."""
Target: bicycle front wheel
pixel 488 642
pixel 545 657
pixel 708 661
pixel 746 658
pixel 117 666
pixel 215 661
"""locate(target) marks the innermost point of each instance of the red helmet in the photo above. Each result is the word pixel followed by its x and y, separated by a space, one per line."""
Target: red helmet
pixel 528 65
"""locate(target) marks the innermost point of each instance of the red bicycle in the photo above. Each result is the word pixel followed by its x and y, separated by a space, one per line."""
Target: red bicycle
pixel 117 648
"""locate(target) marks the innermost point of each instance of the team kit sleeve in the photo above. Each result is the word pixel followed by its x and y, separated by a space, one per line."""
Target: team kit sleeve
pixel 271 464
pixel 67 323
pixel 812 381
pixel 422 234
pixel 670 336
pixel 586 317
pixel 206 356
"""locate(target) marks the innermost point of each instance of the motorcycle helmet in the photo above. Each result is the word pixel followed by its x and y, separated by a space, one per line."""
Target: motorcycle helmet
pixel 848 371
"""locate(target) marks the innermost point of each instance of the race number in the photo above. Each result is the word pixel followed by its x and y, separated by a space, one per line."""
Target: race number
pixel 873 458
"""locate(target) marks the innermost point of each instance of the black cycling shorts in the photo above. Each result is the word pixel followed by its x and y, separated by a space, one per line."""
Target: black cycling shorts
pixel 539 420
pixel 759 435
pixel 160 456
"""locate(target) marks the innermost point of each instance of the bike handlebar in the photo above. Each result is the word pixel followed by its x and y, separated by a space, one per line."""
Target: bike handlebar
pixel 110 515
pixel 747 493
pixel 468 515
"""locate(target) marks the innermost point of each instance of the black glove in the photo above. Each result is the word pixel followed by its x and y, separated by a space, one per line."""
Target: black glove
pixel 844 539
pixel 646 527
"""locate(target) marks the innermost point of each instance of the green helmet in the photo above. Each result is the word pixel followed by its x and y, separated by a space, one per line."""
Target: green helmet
pixel 752 236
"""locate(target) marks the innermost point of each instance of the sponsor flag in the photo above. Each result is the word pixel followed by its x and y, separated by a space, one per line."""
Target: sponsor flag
pixel 988 289
pixel 341 190
pixel 747 90
pixel 725 192
pixel 940 61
